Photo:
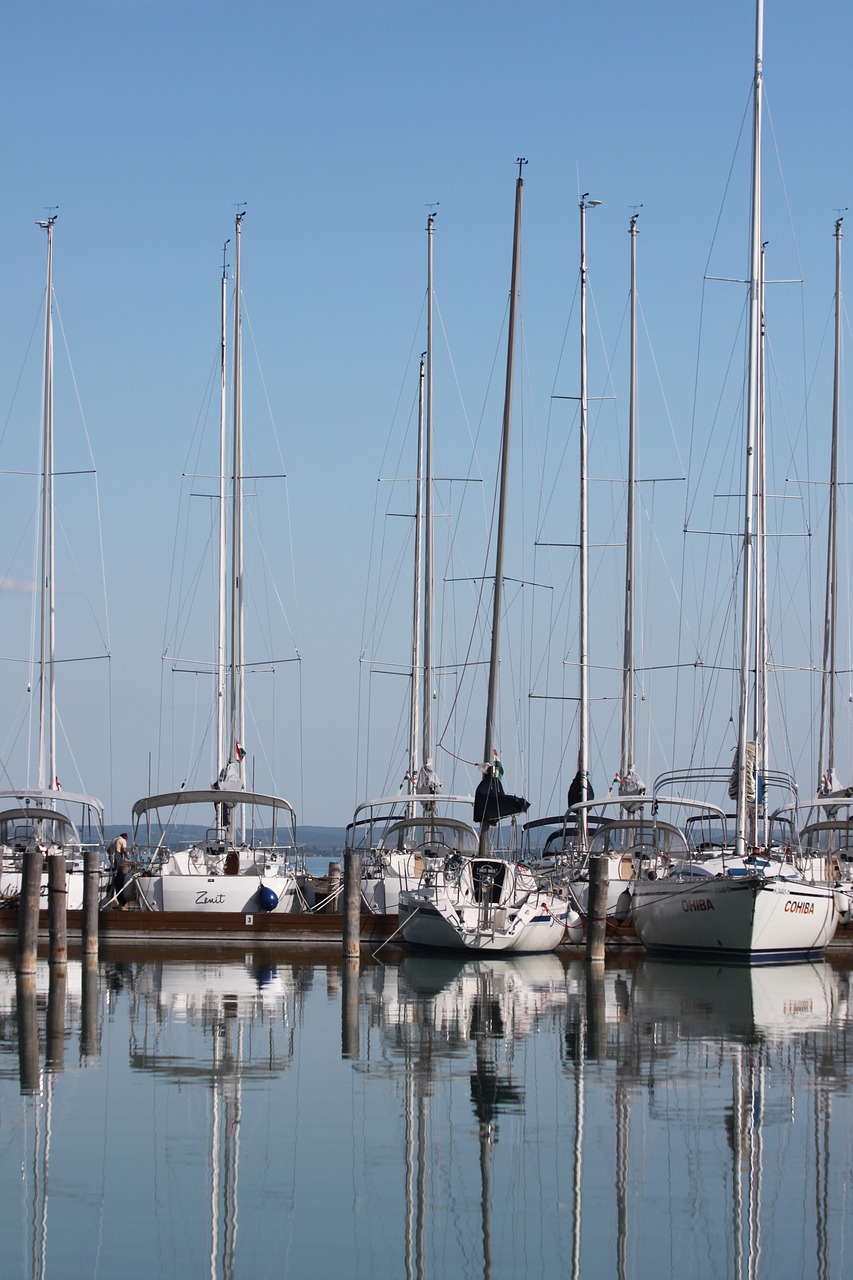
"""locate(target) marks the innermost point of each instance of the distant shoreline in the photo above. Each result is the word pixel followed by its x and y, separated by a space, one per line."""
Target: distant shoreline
pixel 315 840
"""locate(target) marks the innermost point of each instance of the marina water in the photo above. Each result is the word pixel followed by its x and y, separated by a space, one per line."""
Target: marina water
pixel 277 1115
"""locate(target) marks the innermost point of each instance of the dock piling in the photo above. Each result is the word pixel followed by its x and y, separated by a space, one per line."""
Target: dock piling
pixel 349 1008
pixel 352 905
pixel 28 1033
pixel 91 893
pixel 333 889
pixel 89 1043
pixel 57 907
pixel 596 915
pixel 596 1012
pixel 55 1028
pixel 28 911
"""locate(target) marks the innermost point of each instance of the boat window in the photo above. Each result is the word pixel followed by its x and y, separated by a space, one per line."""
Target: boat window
pixel 707 831
pixel 440 834
pixel 828 837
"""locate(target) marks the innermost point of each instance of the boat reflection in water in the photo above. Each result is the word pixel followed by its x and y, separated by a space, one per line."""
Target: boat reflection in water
pixel 494 1118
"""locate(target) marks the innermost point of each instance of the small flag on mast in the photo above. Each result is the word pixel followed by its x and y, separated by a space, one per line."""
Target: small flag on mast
pixel 241 751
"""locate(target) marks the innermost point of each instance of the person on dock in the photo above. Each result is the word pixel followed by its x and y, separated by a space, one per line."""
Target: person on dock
pixel 121 866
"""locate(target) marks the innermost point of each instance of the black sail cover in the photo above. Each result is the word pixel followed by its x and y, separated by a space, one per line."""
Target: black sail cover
pixel 491 802
pixel 576 794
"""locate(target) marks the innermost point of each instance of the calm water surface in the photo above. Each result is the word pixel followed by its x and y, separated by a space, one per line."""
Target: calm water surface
pixel 255 1116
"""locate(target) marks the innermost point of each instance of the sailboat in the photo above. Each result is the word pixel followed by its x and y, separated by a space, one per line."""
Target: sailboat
pixel 471 897
pixel 566 848
pixel 245 859
pixel 580 835
pixel 744 898
pixel 385 829
pixel 42 821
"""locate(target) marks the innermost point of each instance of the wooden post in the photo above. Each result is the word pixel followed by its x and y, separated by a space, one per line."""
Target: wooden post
pixel 28 1033
pixel 57 908
pixel 333 889
pixel 596 911
pixel 349 1008
pixel 352 905
pixel 89 1047
pixel 91 894
pixel 55 1047
pixel 28 911
pixel 596 1011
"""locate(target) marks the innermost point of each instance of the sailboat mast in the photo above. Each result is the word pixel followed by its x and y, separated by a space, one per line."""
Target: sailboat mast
pixel 494 659
pixel 428 540
pixel 753 398
pixel 222 612
pixel 762 659
pixel 414 714
pixel 826 740
pixel 583 625
pixel 237 692
pixel 627 761
pixel 47 777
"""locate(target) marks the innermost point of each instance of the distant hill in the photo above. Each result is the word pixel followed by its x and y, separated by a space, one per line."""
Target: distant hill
pixel 321 839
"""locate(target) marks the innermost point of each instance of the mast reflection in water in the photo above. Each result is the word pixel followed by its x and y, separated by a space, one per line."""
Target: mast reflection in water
pixel 431 1118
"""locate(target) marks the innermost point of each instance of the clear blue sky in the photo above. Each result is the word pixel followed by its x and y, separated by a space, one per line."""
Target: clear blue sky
pixel 338 124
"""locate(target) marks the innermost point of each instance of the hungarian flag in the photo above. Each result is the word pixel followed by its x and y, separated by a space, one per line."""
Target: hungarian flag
pixel 241 751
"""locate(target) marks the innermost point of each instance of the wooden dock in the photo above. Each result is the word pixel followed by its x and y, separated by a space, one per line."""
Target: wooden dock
pixel 221 928
pixel 300 929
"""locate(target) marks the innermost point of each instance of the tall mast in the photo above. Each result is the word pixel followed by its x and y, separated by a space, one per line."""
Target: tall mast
pixel 826 781
pixel 222 611
pixel 237 692
pixel 753 398
pixel 627 761
pixel 583 626
pixel 762 651
pixel 428 541
pixel 494 658
pixel 415 707
pixel 47 778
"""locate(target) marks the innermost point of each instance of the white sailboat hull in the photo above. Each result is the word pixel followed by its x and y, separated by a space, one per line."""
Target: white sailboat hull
pixel 452 913
pixel 427 924
pixel 10 889
pixel 618 897
pixel 11 878
pixel 217 876
pixel 218 893
pixel 751 917
pixel 380 890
